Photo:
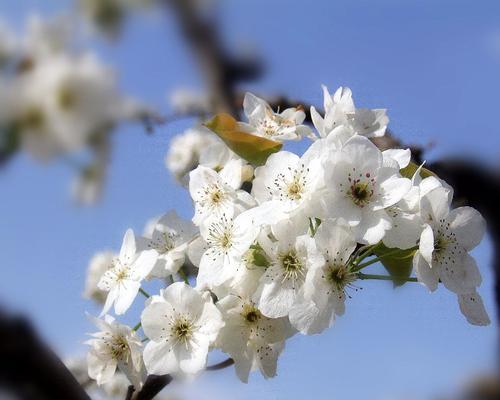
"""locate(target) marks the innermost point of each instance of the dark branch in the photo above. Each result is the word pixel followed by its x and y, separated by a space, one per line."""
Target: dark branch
pixel 29 369
pixel 154 384
pixel 221 365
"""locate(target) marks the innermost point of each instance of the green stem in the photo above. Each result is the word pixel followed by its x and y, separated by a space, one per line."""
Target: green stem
pixel 144 293
pixel 359 267
pixel 365 253
pixel 183 276
pixel 135 328
pixel 385 277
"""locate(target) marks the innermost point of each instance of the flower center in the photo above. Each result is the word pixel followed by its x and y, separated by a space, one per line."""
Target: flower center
pixel 182 329
pixel 361 193
pixel 121 273
pixel 166 242
pixel 339 276
pixel 118 347
pixel 272 124
pixel 292 265
pixel 295 190
pixel 251 314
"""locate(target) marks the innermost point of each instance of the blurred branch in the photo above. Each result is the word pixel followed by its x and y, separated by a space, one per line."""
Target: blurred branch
pixel 29 369
pixel 220 71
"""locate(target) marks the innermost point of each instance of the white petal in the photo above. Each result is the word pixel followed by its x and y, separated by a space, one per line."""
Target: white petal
pixel 459 273
pixel 472 307
pixel 392 189
pixel 372 227
pixel 127 252
pixel 160 358
pixel 425 274
pixel 126 295
pixel 468 225
pixel 426 246
pixel 401 156
pixel 155 319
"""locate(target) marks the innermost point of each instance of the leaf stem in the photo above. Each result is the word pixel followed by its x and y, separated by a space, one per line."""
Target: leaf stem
pixel 359 267
pixel 385 277
pixel 144 293
pixel 135 328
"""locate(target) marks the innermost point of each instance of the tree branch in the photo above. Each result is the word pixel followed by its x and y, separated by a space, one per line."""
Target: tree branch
pixel 29 369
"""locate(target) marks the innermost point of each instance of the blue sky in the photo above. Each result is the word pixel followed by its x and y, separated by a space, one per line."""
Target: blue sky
pixel 433 64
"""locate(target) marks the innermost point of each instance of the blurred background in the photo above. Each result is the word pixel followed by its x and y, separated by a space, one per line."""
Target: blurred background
pixel 433 64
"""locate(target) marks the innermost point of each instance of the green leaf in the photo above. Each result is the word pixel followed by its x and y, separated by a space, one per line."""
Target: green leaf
pixel 254 149
pixel 411 168
pixel 399 263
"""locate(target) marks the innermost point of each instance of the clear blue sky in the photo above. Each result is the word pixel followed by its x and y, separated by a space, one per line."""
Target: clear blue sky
pixel 434 64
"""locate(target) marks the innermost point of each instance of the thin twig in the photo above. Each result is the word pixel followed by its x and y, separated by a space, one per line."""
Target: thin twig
pixel 221 365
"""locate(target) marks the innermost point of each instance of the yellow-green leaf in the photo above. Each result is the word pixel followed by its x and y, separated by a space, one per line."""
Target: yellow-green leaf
pixel 411 168
pixel 254 149
pixel 399 265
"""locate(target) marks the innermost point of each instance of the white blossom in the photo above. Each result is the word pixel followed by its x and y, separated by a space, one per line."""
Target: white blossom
pixel 226 242
pixel 181 326
pixel 217 193
pixel 263 121
pixel 123 280
pixel 361 187
pixel 326 282
pixel 169 240
pixel 287 184
pixel 253 340
pixel 291 257
pixel 340 111
pixel 185 150
pixel 114 346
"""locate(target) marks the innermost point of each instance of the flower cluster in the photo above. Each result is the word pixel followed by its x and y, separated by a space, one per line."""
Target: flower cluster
pixel 278 246
pixel 56 101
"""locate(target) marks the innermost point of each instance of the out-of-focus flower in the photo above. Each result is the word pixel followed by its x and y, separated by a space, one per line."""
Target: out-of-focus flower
pixel 185 150
pixel 99 264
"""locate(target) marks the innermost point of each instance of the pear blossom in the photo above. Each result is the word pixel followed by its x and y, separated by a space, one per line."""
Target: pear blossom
pixel 326 282
pixel 361 187
pixel 123 280
pixel 253 340
pixel 217 193
pixel 263 121
pixel 287 184
pixel 445 242
pixel 114 346
pixel 291 257
pixel 227 240
pixel 66 99
pixel 341 111
pixel 181 325
pixel 185 150
pixel 169 240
